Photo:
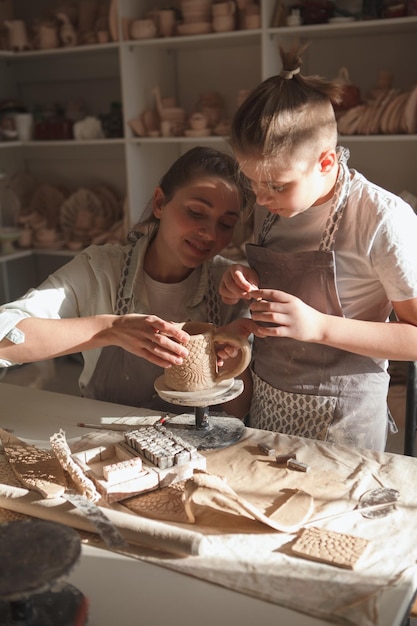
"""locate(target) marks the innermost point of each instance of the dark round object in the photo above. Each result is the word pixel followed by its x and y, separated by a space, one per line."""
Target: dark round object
pixel 34 554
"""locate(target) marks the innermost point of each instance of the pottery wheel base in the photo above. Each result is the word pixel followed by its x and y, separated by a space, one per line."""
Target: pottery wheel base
pixel 216 432
pixel 202 430
pixel 65 605
pixel 35 555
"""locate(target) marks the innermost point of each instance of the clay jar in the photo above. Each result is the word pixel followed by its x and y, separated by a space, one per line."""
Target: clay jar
pixel 143 29
pixel 47 36
pixel 198 121
pixel 317 11
pixel 24 126
pixel 46 235
pixel 167 128
pixel 199 370
pixel 17 35
pixel 223 23
pixel 166 22
pixel 223 8
pixel 195 10
pixel 350 92
pixel 251 20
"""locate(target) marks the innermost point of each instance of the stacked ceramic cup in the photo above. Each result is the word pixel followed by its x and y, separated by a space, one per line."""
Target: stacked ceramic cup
pixel 223 16
pixel 172 121
pixel 196 11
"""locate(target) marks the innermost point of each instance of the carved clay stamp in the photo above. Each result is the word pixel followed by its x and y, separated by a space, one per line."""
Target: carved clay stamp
pixel 327 546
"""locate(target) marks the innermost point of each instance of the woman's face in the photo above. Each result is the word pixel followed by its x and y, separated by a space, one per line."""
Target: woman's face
pixel 196 224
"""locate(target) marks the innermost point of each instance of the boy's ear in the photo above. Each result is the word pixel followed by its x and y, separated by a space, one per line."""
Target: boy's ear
pixel 327 161
pixel 158 202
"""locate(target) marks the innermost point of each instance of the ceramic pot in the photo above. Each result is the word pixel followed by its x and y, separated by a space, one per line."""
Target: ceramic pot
pixel 143 29
pixel 18 38
pixel 166 22
pixel 223 8
pixel 47 37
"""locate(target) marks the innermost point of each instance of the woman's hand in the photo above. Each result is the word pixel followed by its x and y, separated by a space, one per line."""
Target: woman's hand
pixel 242 327
pixel 150 337
pixel 284 315
pixel 237 283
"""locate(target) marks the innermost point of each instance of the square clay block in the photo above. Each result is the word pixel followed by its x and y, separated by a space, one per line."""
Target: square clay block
pixel 327 546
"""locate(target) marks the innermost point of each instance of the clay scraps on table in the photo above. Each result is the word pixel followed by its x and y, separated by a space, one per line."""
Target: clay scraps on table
pixel 209 490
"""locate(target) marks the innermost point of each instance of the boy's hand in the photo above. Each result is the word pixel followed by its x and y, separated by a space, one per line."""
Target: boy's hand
pixel 237 283
pixel 284 315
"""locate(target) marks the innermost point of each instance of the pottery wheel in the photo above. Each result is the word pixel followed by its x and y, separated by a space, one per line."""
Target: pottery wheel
pixel 35 554
pixel 202 430
pixel 220 393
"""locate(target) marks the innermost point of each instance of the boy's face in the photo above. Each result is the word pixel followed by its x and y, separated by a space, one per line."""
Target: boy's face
pixel 291 190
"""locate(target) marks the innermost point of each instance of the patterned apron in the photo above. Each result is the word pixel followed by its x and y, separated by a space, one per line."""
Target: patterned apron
pixel 307 389
pixel 124 378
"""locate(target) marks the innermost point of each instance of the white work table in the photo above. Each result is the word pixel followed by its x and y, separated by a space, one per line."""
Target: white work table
pixel 127 591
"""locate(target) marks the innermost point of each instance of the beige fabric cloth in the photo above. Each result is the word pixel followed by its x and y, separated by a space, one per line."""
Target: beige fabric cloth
pixel 246 556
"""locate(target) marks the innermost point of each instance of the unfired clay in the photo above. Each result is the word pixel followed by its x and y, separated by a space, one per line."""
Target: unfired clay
pixel 199 370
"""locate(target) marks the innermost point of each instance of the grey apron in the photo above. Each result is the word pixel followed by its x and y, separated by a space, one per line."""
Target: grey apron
pixel 124 378
pixel 307 389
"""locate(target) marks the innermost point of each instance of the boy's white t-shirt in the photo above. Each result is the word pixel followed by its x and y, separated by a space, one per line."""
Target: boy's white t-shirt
pixel 375 249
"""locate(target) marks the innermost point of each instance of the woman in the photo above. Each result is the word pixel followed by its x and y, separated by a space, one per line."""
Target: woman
pixel 116 304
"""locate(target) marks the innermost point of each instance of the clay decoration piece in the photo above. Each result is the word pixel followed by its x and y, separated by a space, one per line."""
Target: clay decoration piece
pixel 36 469
pixel 112 209
pixel 78 213
pixel 327 546
pixel 46 201
pixel 350 93
pixel 63 453
pixel 67 34
pixel 209 490
pixel 410 112
pixel 349 121
pixel 89 128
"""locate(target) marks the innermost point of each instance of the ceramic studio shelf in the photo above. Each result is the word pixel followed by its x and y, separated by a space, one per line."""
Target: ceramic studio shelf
pixel 184 67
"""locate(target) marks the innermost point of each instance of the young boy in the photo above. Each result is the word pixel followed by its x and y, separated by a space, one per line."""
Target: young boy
pixel 335 255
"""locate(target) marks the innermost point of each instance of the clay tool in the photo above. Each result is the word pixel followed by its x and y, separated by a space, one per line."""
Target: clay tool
pixel 265 449
pixel 164 419
pixel 297 465
pixel 282 459
pixel 375 503
pixel 121 427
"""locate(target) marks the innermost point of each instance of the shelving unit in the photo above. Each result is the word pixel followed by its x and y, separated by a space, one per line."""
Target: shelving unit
pixel 185 67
